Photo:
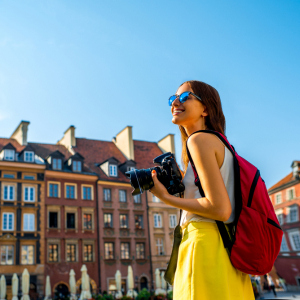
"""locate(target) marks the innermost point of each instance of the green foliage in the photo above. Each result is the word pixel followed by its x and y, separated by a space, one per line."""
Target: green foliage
pixel 108 297
pixel 144 294
pixel 170 295
pixel 126 298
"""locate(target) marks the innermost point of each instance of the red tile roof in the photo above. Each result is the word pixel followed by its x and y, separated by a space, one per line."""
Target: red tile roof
pixel 97 152
pixel 283 181
pixel 4 142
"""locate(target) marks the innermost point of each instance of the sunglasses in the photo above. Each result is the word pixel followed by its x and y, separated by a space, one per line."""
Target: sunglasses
pixel 182 98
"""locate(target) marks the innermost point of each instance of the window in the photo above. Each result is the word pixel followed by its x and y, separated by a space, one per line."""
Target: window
pixel 9 192
pixel 284 247
pixel 295 240
pixel 137 198
pixel 8 175
pixel 113 170
pixel 53 253
pixel 76 166
pixel 278 198
pixel 280 219
pixel 28 156
pixel 71 252
pixel 139 224
pixel 290 194
pixel 106 195
pixel 56 164
pixel 173 221
pixel 27 254
pixel 130 169
pixel 87 253
pixel 7 221
pixel 87 221
pixel 28 222
pixel 71 220
pixel 140 250
pixel 108 221
pixel 87 193
pixel 122 195
pixel 157 221
pixel 9 154
pixel 155 199
pixel 7 255
pixel 123 221
pixel 29 177
pixel 53 218
pixel 125 251
pixel 29 193
pixel 159 246
pixel 292 214
pixel 109 250
pixel 70 191
pixel 53 190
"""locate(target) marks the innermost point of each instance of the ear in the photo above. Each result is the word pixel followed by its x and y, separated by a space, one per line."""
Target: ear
pixel 204 112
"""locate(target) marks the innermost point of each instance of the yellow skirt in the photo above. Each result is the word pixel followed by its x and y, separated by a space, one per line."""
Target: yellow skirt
pixel 204 270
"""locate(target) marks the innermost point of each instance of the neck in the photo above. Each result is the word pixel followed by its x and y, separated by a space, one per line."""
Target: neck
pixel 195 127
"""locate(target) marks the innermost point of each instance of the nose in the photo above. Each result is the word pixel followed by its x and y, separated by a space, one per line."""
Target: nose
pixel 176 102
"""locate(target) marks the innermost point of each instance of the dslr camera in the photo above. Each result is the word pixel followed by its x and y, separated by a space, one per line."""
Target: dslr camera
pixel 168 173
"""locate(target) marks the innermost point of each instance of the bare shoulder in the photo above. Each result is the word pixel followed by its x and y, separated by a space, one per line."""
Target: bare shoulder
pixel 204 140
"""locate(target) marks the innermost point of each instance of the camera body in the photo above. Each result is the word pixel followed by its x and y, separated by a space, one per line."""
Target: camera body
pixel 168 173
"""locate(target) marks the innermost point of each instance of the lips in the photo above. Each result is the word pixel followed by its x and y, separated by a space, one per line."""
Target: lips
pixel 177 112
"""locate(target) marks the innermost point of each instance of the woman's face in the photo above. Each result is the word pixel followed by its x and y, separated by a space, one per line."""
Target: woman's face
pixel 188 113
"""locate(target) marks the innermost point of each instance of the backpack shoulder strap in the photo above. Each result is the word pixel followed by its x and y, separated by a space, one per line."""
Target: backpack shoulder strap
pixel 221 226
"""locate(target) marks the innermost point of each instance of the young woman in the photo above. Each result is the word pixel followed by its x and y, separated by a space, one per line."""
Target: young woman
pixel 204 270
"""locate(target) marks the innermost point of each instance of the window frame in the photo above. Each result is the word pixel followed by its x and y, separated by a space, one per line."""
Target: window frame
pixel 28 152
pixel 69 185
pixel 126 221
pixel 111 222
pixel 83 194
pixel 140 225
pixel 8 157
pixel 159 246
pixel 291 234
pixel 156 221
pixel 74 245
pixel 6 255
pixel 292 189
pixel 29 193
pixel 104 194
pixel 27 254
pixel 13 221
pixel 84 221
pixel 276 201
pixel 29 222
pixel 174 216
pixel 110 255
pixel 125 251
pixel 83 252
pixel 56 163
pixel 113 170
pixel 8 186
pixel 75 164
pixel 58 189
pixel 137 199
pixel 289 209
pixel 122 196
pixel 69 213
pixel 136 250
pixel 58 252
pixel 285 244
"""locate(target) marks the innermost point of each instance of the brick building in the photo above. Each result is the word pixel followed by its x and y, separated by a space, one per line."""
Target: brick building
pixel 123 219
pixel 21 211
pixel 285 196
pixel 70 221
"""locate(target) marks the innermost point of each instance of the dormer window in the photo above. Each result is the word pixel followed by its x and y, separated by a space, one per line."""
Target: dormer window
pixel 113 171
pixel 9 154
pixel 76 166
pixel 130 168
pixel 29 156
pixel 56 163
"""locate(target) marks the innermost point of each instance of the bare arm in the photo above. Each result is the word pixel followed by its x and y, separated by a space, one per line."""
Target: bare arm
pixel 208 154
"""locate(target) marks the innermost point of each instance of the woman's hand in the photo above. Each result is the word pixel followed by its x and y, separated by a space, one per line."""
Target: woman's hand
pixel 158 189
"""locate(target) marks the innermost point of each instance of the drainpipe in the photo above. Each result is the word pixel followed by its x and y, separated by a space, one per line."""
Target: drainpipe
pixel 151 270
pixel 98 237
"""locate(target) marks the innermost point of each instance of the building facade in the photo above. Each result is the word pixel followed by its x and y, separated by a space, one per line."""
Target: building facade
pixel 285 196
pixel 125 227
pixel 70 221
pixel 22 211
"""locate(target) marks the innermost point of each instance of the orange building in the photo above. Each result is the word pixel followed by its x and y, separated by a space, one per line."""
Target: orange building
pixel 285 196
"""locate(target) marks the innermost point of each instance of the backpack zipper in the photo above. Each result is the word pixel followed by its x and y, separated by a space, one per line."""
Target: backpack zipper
pixel 252 189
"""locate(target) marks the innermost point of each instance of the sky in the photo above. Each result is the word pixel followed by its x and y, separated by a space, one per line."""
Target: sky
pixel 104 65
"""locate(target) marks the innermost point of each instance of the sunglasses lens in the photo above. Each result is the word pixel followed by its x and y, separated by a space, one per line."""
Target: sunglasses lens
pixel 171 99
pixel 184 96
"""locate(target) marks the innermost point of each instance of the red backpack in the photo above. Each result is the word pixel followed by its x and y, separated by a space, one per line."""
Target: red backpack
pixel 256 236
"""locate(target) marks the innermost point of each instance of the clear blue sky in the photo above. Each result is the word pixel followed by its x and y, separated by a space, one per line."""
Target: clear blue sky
pixel 103 65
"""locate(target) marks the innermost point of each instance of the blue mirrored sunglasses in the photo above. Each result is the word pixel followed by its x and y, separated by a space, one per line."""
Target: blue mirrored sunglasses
pixel 182 98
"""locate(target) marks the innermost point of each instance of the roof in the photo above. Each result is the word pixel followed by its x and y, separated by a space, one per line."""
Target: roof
pixel 96 152
pixel 4 142
pixel 283 181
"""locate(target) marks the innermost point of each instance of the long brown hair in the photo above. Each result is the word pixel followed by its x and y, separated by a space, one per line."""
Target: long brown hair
pixel 215 119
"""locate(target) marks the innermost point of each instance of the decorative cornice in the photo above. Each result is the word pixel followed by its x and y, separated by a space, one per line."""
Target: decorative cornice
pixel 18 165
pixel 69 175
pixel 114 183
pixel 284 186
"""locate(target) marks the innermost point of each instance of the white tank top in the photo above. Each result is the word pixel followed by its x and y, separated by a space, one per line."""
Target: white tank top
pixel 192 191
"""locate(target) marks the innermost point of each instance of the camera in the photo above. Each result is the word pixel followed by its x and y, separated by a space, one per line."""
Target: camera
pixel 168 173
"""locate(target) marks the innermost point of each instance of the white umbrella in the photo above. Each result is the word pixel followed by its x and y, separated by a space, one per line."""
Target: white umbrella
pixel 118 276
pixel 48 288
pixel 72 283
pixel 163 282
pixel 158 290
pixel 15 287
pixel 130 284
pixel 85 284
pixel 25 285
pixel 3 287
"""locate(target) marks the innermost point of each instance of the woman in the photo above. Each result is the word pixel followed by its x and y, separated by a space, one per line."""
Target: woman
pixel 204 270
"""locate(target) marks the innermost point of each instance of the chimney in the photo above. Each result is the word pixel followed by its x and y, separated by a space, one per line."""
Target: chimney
pixel 68 140
pixel 167 144
pixel 295 167
pixel 20 134
pixel 124 142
